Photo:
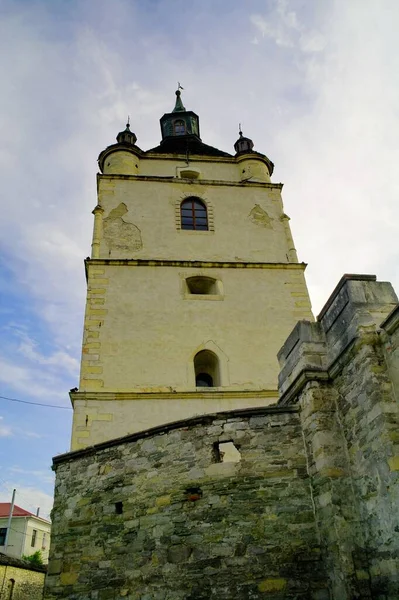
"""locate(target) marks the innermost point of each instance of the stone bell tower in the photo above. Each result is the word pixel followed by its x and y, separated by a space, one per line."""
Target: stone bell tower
pixel 193 283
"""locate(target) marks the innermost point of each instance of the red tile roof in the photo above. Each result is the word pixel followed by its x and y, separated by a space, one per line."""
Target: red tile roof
pixel 17 512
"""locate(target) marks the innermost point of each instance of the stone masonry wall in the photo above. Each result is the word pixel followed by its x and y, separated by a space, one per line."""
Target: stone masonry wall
pixel 20 583
pixel 164 515
pixel 336 371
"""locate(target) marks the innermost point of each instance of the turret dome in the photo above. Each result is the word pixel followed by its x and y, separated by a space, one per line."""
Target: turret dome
pixel 126 136
pixel 243 145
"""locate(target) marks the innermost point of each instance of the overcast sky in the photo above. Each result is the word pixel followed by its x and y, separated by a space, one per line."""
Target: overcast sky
pixel 314 83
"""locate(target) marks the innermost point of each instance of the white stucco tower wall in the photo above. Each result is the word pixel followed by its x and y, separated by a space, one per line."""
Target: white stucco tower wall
pixel 146 318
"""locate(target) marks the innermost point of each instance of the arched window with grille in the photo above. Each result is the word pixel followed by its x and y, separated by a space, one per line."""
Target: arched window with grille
pixel 193 214
pixel 206 367
pixel 179 127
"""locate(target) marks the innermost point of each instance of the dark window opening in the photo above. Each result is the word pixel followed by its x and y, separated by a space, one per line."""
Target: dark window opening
pixel 179 128
pixel 11 585
pixel 34 536
pixel 201 285
pixel 118 508
pixel 3 534
pixel 203 380
pixel 193 494
pixel 193 214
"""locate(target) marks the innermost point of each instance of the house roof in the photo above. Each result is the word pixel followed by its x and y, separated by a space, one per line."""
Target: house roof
pixel 17 512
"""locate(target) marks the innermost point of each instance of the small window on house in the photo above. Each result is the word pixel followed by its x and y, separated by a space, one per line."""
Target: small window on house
pixel 34 536
pixel 193 214
pixel 179 127
pixel 206 366
pixel 44 541
pixel 3 533
pixel 202 285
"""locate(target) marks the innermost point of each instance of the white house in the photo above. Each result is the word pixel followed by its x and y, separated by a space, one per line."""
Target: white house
pixel 28 532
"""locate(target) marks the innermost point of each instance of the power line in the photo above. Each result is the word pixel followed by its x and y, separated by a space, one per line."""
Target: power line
pixel 9 487
pixel 35 403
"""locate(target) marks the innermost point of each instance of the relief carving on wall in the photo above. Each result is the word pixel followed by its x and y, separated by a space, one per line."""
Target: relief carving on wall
pixel 260 217
pixel 119 234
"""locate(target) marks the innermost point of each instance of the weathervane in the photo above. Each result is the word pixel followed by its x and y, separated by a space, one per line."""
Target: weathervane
pixel 179 87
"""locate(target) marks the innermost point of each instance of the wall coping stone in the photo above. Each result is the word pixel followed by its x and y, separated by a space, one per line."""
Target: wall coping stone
pixel 318 351
pixel 12 561
pixel 391 323
pixel 346 277
pixel 165 428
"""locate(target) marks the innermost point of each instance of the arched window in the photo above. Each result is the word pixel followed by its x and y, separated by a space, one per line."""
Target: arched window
pixel 179 127
pixel 206 366
pixel 10 590
pixel 193 214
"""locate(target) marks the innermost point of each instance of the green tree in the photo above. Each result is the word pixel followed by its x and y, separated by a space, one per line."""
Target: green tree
pixel 35 559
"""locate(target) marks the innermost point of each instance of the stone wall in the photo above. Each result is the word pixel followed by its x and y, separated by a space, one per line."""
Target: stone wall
pixel 338 372
pixel 302 505
pixel 19 580
pixel 169 514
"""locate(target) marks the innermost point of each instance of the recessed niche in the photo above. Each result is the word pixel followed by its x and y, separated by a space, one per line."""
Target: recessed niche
pixel 118 508
pixel 202 285
pixel 226 452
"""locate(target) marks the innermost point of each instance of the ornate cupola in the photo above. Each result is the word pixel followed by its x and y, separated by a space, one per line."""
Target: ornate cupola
pixel 180 122
pixel 243 145
pixel 126 136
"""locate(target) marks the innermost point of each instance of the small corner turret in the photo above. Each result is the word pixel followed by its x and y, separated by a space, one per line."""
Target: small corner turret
pixel 243 144
pixel 126 136
pixel 254 165
pixel 121 158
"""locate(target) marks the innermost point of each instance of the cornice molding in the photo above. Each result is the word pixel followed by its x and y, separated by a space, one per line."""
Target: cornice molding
pixel 181 181
pixel 196 264
pixel 170 394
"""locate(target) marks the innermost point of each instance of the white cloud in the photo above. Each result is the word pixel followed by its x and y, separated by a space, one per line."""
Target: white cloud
pixel 34 382
pixel 29 497
pixel 5 431
pixel 59 360
pixel 283 27
pixel 44 476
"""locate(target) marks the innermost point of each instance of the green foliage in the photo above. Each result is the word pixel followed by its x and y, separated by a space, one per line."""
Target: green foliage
pixel 35 559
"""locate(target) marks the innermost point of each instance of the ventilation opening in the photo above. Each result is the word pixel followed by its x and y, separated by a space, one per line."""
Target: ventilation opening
pixel 202 285
pixel 118 508
pixel 206 366
pixel 226 452
pixel 193 494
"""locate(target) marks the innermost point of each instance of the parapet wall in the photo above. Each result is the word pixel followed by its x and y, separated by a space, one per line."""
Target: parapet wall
pixel 341 372
pixel 165 515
